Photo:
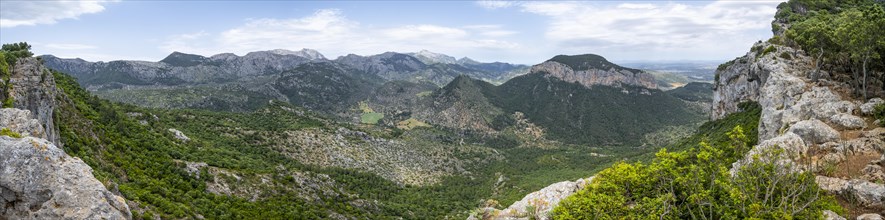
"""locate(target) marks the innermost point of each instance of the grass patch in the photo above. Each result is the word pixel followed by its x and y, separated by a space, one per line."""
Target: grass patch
pixel 371 117
pixel 411 123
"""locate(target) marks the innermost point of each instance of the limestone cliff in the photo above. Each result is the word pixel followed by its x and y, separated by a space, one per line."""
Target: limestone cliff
pixel 818 124
pixel 33 89
pixel 590 70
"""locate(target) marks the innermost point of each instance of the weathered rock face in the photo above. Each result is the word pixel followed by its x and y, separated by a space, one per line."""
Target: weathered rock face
pixel 867 108
pixel 541 202
pixel 868 194
pixel 814 132
pixel 591 77
pixel 22 122
pixel 744 78
pixel 816 120
pixel 39 181
pixel 33 89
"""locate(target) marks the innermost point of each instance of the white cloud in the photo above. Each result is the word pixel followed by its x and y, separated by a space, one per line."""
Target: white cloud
pixel 636 6
pixel 28 13
pixel 333 34
pixel 191 42
pixel 666 28
pixel 495 4
pixel 70 46
pixel 490 30
pixel 420 32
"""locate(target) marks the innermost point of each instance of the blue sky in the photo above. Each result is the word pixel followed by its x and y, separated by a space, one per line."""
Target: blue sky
pixel 508 31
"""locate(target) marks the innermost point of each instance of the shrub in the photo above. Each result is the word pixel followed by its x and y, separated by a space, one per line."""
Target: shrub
pixel 10 133
pixel 725 65
pixel 786 55
pixel 696 183
pixel 879 114
pixel 767 50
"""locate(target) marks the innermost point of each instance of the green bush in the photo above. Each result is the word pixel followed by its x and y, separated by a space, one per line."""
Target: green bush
pixel 10 133
pixel 786 55
pixel 879 114
pixel 725 65
pixel 767 50
pixel 696 183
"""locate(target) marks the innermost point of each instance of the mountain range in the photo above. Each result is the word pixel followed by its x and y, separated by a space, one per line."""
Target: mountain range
pixel 584 91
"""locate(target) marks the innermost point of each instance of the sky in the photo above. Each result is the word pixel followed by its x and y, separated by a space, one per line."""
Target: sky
pixel 521 32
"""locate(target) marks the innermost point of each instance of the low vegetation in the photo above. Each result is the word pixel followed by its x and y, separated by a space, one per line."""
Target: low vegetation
pixel 696 183
pixel 9 133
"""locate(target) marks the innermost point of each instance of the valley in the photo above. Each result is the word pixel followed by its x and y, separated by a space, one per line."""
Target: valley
pixel 335 134
pixel 790 129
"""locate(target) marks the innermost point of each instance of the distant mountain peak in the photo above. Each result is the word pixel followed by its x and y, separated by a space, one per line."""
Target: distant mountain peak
pixel 589 61
pixel 467 60
pixel 304 52
pixel 430 57
pixel 183 59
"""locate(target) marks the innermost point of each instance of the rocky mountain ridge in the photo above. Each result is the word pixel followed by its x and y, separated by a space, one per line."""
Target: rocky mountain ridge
pixel 233 83
pixel 591 69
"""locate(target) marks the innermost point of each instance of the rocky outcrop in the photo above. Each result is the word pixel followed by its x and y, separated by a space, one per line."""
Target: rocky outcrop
pixel 39 181
pixel 538 204
pixel 814 132
pixel 830 215
pixel 867 194
pixel 610 75
pixel 867 108
pixel 742 80
pixel 33 88
pixel 21 122
pixel 179 135
pixel 870 216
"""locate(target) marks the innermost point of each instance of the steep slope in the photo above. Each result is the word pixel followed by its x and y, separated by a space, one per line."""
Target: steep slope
pixel 33 89
pixel 464 104
pixel 390 65
pixel 326 86
pixel 600 115
pixel 817 120
pixel 813 108
pixel 694 92
pixel 37 179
